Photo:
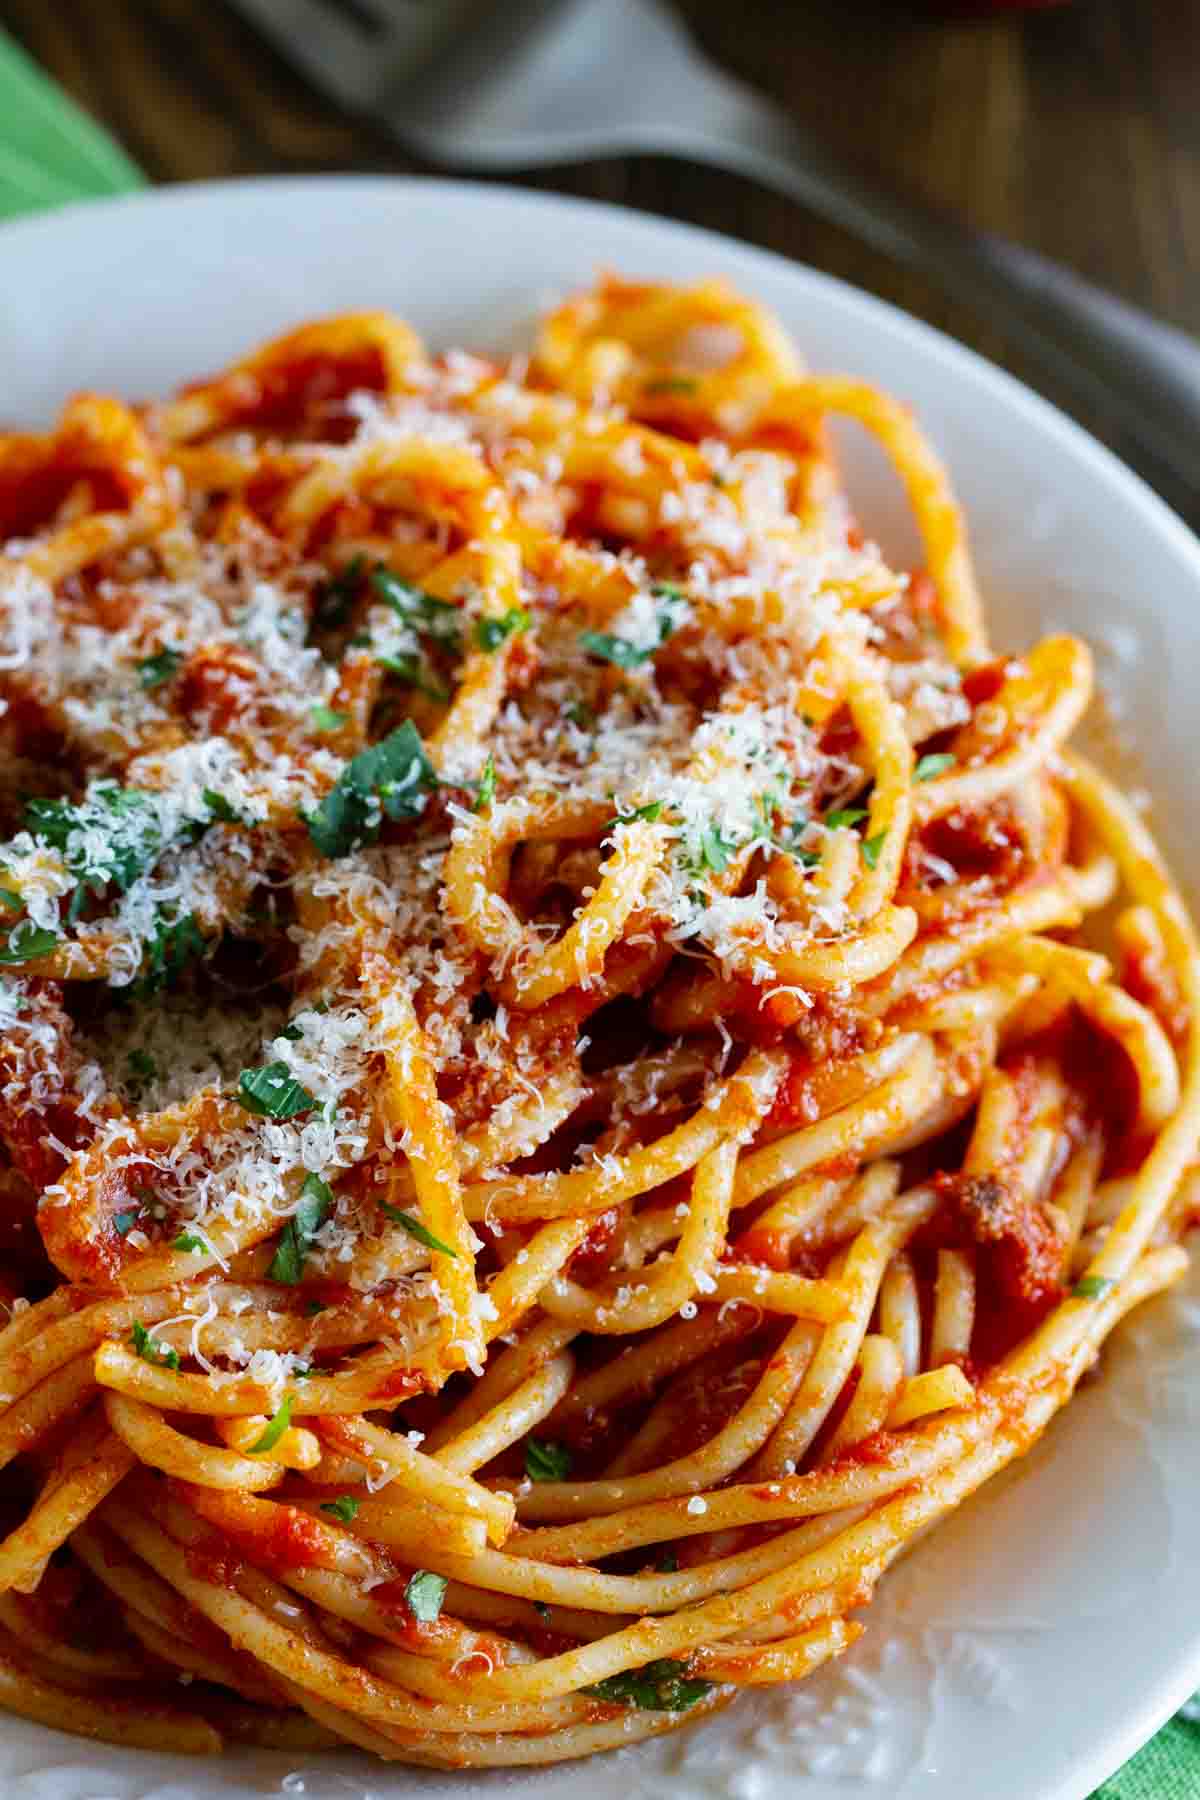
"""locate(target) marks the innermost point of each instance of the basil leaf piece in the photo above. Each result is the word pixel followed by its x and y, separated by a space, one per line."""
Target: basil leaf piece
pixel 415 1229
pixel 325 719
pixel 219 809
pixel 390 778
pixel 273 1092
pixel 871 847
pixel 160 1355
pixel 546 1461
pixel 337 595
pixel 295 1240
pixel 438 619
pixel 649 812
pixel 26 942
pixel 662 1686
pixel 343 1508
pixel 490 633
pixel 424 1593
pixel 1092 1287
pixel 276 1425
pixel 844 816
pixel 175 943
pixel 936 763
pixel 187 1240
pixel 163 666
pixel 487 785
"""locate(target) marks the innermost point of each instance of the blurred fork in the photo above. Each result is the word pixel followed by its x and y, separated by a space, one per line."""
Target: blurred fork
pixel 499 84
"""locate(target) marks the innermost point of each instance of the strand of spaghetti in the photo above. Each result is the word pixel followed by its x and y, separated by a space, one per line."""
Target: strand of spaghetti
pixel 639 1368
pixel 880 1381
pixel 929 494
pixel 880 725
pixel 524 1408
pixel 733 1108
pixel 84 1473
pixel 713 1462
pixel 866 1261
pixel 417 1115
pixel 900 1311
pixel 933 1390
pixel 1054 683
pixel 505 1373
pixel 863 1130
pixel 159 1445
pixel 422 1475
pixel 49 1404
pixel 138 1722
pixel 953 1307
pixel 398 1525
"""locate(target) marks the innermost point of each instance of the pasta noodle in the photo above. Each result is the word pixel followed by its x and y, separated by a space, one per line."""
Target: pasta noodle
pixel 580 1060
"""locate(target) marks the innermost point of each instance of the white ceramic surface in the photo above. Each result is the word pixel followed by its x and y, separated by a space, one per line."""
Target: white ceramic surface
pixel 1029 1645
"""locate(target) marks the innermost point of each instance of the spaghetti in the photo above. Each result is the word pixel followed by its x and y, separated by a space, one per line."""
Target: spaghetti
pixel 561 1095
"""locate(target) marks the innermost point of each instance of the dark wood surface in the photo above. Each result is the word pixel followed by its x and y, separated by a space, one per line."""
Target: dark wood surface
pixel 1074 130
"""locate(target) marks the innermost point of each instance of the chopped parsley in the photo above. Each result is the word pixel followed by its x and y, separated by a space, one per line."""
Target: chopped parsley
pixel 623 652
pixel 113 835
pixel 936 763
pixel 1092 1287
pixel 438 619
pixel 343 1508
pixel 187 1240
pixel 220 811
pixel 424 1594
pixel 844 816
pixel 26 942
pixel 662 1686
pixel 325 719
pixel 275 1427
pixel 154 671
pixel 175 943
pixel 337 595
pixel 415 1229
pixel 715 850
pixel 413 673
pixel 651 811
pixel 295 1240
pixel 871 847
pixel 490 633
pixel 546 1461
pixel 391 778
pixel 486 791
pixel 161 1355
pixel 273 1092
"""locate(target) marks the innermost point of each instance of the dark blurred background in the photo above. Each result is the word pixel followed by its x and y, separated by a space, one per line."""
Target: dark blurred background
pixel 1074 129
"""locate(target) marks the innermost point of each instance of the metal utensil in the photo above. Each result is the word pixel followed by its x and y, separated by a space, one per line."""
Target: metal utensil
pixel 475 84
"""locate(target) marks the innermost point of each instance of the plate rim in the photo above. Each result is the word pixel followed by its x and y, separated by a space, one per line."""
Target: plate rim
pixel 1123 1737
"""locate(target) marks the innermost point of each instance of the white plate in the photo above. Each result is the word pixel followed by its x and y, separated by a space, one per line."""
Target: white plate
pixel 1041 1634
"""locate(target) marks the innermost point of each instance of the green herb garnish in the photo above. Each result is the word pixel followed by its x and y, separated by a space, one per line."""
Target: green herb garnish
pixel 276 1425
pixel 649 812
pixel 273 1092
pixel 424 1594
pixel 871 848
pixel 546 1461
pixel 168 952
pixel 343 1508
pixel 390 778
pixel 337 596
pixel 415 1229
pixel 844 816
pixel 161 1355
pixel 1092 1287
pixel 187 1240
pixel 26 942
pixel 486 791
pixel 153 671
pixel 295 1240
pixel 325 719
pixel 936 763
pixel 662 1686
pixel 490 633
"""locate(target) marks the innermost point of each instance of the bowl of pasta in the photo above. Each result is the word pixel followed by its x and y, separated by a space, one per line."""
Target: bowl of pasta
pixel 600 1021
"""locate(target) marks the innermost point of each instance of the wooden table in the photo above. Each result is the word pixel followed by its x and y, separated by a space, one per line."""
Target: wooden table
pixel 1076 131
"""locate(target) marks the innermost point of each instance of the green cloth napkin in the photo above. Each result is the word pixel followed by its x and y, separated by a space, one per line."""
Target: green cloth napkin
pixel 52 152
